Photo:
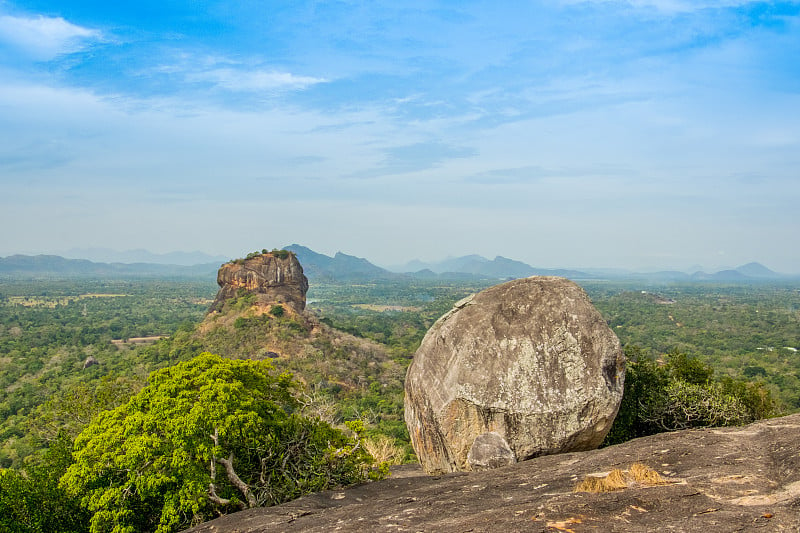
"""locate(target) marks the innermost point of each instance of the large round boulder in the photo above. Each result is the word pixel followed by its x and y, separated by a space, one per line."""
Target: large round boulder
pixel 522 369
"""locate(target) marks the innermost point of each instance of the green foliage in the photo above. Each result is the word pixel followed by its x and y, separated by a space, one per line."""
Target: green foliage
pixel 280 254
pixel 69 411
pixel 687 405
pixel 733 327
pixel 32 502
pixel 394 313
pixel 207 436
pixel 49 328
pixel 752 371
pixel 681 394
pixel 276 310
pixel 753 395
pixel 684 367
pixel 645 382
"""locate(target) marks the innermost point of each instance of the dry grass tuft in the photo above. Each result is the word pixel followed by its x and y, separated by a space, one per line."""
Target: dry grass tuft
pixel 384 450
pixel 591 484
pixel 620 479
pixel 642 473
pixel 616 479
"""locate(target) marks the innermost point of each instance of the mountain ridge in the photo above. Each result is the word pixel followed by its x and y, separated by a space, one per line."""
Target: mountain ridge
pixel 343 266
pixel 140 255
pixel 53 265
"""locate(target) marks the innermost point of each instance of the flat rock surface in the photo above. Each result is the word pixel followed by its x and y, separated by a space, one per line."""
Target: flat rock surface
pixel 727 479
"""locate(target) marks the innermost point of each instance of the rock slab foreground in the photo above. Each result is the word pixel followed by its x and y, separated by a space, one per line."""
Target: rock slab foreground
pixel 728 479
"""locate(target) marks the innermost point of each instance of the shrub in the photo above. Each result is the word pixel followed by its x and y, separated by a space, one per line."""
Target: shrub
pixel 206 437
pixel 33 501
pixel 681 394
pixel 687 405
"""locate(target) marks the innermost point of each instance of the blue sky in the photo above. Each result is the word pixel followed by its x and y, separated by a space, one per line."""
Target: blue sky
pixel 660 133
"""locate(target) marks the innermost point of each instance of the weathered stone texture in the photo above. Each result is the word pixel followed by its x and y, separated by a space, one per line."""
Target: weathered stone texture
pixel 528 366
pixel 741 479
pixel 273 279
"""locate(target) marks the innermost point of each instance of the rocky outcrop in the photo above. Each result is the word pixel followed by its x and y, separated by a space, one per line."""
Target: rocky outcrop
pixel 522 369
pixel 731 479
pixel 274 278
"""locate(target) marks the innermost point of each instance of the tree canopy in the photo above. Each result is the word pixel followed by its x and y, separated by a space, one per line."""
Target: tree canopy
pixel 32 502
pixel 680 393
pixel 207 436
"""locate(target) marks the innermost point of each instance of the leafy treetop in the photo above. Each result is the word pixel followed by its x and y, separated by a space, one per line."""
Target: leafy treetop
pixel 280 254
pixel 207 436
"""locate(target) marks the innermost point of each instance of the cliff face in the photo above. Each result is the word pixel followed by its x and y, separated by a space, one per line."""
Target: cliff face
pixel 273 278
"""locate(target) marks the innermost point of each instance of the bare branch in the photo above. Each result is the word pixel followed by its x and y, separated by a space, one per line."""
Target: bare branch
pixel 237 481
pixel 212 495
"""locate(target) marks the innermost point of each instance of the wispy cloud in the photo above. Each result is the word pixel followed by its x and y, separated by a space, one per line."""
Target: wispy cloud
pixel 44 38
pixel 526 174
pixel 670 6
pixel 189 70
pixel 254 80
pixel 414 158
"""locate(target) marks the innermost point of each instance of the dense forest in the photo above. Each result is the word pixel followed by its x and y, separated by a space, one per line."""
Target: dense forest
pixel 71 350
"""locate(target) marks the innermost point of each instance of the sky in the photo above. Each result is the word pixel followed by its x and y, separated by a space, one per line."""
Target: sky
pixel 565 133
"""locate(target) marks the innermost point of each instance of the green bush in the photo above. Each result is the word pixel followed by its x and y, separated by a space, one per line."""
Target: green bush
pixel 681 393
pixel 206 437
pixel 689 369
pixel 687 405
pixel 32 502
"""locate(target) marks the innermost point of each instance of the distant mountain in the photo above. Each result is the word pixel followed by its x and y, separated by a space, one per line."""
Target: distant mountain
pixel 757 270
pixel 662 275
pixel 340 266
pixel 478 266
pixel 748 272
pixel 468 264
pixel 105 255
pixel 348 267
pixel 39 266
pixel 722 275
pixel 451 264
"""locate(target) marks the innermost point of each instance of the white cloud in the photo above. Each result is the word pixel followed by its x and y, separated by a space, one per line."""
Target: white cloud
pixel 254 80
pixel 670 6
pixel 44 38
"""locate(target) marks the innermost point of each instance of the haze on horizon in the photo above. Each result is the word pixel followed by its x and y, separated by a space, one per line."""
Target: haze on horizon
pixel 639 133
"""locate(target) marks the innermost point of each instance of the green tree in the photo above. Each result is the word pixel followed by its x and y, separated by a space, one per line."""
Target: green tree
pixel 681 394
pixel 31 501
pixel 690 369
pixel 207 436
pixel 645 389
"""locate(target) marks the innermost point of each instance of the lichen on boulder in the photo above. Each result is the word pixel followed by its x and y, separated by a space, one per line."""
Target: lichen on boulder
pixel 522 369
